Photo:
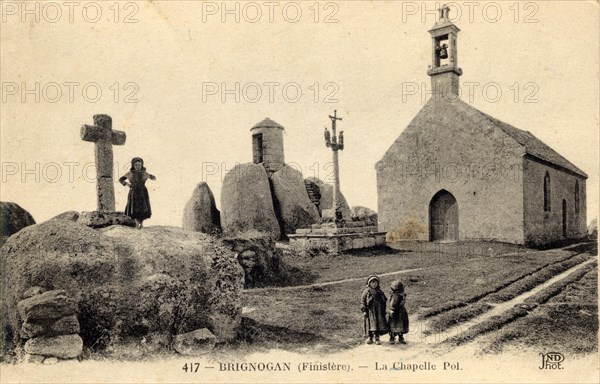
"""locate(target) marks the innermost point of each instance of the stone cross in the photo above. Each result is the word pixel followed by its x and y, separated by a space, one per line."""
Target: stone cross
pixel 104 137
pixel 336 143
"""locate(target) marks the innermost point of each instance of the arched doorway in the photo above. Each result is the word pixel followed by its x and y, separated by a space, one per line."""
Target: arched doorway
pixel 564 218
pixel 443 217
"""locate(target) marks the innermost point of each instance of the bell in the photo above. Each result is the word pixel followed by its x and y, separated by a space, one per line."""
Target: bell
pixel 444 51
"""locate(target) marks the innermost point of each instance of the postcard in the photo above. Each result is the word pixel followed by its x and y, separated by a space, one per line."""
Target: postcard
pixel 299 191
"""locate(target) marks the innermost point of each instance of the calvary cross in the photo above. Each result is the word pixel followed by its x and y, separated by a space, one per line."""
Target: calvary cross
pixel 336 145
pixel 104 137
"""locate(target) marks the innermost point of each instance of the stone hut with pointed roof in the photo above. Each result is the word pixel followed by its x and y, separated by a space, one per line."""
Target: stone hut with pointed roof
pixel 456 173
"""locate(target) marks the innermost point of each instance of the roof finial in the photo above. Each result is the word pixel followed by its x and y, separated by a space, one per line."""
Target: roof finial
pixel 445 12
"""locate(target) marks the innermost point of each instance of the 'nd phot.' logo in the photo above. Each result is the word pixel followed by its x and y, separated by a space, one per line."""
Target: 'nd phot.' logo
pixel 552 360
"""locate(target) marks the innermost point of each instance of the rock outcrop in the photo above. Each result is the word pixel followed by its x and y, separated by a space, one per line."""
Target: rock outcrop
pixel 195 343
pixel 101 219
pixel 246 203
pixel 14 218
pixel 365 214
pixel 314 193
pixel 128 283
pixel 201 213
pixel 68 215
pixel 592 229
pixel 291 201
pixel 61 347
pixel 326 201
pixel 261 260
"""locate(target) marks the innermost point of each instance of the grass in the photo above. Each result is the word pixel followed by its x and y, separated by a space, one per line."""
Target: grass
pixel 535 279
pixel 333 311
pixel 509 289
pixel 566 321
pixel 261 335
pixel 324 268
pixel 553 290
pixel 478 248
pixel 463 313
pixel 492 324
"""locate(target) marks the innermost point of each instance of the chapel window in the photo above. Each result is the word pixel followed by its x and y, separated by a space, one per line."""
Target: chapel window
pixel 547 206
pixel 576 196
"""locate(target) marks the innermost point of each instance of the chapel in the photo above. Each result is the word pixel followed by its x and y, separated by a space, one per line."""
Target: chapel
pixel 456 173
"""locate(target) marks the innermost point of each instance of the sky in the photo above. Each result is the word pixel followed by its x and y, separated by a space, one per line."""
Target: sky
pixel 186 80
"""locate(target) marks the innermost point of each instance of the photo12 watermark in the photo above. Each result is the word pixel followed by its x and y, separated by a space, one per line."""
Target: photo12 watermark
pixel 52 12
pixel 215 171
pixel 471 91
pixel 53 172
pixel 524 12
pixel 270 12
pixel 69 91
pixel 269 92
pixel 459 172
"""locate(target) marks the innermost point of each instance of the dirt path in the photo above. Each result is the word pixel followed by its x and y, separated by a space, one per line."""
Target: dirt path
pixel 326 283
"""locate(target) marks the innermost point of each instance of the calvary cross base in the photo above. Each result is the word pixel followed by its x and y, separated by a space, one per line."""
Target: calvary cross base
pixel 102 135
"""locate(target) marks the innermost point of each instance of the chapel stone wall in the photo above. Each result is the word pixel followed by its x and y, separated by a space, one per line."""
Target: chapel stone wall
pixel 443 148
pixel 546 226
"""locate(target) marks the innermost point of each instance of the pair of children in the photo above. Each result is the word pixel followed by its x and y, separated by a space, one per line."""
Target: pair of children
pixel 374 303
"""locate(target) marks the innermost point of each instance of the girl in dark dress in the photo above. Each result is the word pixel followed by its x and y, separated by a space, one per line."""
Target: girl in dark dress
pixel 373 307
pixel 138 201
pixel 398 320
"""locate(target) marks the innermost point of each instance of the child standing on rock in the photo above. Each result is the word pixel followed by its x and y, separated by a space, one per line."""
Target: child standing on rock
pixel 138 201
pixel 373 302
pixel 398 317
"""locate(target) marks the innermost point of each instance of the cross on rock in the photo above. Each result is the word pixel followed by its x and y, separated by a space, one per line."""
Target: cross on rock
pixel 102 135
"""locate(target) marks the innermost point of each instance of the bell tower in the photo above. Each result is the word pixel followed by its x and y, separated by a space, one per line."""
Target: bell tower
pixel 444 69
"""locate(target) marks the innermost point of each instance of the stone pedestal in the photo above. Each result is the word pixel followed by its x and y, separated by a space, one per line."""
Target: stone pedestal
pixel 328 215
pixel 101 219
pixel 335 238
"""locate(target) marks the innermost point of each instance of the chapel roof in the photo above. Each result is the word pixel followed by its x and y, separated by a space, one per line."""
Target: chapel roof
pixel 533 146
pixel 444 113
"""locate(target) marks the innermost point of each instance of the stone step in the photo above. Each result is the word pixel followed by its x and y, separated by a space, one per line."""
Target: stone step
pixel 48 305
pixel 63 347
pixel 335 243
pixel 335 230
pixel 50 327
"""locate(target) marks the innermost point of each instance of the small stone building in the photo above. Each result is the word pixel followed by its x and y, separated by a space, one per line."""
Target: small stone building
pixel 267 145
pixel 456 173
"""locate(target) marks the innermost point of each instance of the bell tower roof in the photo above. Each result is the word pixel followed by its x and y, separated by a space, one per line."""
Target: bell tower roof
pixel 444 70
pixel 443 23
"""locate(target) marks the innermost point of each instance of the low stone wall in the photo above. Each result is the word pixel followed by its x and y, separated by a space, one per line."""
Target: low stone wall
pixel 334 239
pixel 50 326
pixel 260 259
